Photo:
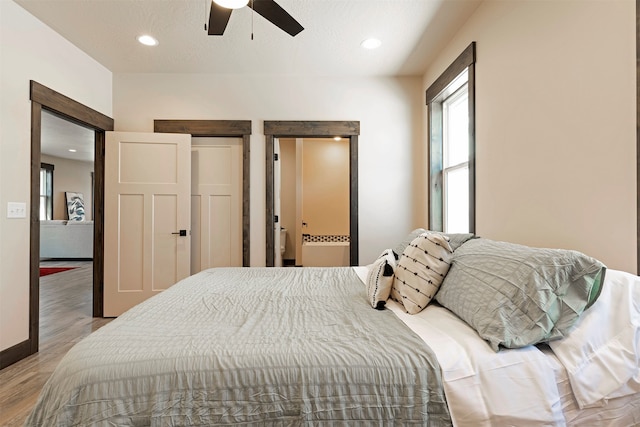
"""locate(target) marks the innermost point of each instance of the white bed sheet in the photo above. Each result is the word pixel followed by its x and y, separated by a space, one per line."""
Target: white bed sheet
pixel 602 351
pixel 622 411
pixel 471 369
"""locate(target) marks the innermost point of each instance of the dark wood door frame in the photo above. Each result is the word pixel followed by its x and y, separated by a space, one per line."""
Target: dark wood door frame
pixel 312 129
pixel 43 98
pixel 221 128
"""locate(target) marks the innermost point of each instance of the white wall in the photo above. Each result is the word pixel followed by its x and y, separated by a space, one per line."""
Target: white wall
pixel 29 50
pixel 389 111
pixel 555 124
pixel 70 175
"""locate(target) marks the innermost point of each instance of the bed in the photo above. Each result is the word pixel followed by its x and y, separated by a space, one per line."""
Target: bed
pixel 304 346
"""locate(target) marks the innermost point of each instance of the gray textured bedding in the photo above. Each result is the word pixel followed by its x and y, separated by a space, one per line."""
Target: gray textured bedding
pixel 267 346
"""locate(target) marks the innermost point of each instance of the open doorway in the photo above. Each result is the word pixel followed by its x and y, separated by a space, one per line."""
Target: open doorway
pixel 66 224
pixel 312 202
pixel 348 130
pixel 45 99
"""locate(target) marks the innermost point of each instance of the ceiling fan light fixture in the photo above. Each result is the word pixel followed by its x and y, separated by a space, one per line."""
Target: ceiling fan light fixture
pixel 231 4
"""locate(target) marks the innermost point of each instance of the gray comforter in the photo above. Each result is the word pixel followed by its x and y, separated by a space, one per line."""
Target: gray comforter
pixel 267 346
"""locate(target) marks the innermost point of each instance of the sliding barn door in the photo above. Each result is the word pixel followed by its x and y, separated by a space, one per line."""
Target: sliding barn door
pixel 147 216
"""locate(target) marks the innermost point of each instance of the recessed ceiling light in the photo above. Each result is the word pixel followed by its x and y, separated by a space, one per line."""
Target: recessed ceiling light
pixel 337 138
pixel 72 150
pixel 371 43
pixel 147 40
pixel 232 4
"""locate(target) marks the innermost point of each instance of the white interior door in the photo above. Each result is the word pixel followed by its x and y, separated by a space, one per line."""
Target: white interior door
pixel 216 203
pixel 146 216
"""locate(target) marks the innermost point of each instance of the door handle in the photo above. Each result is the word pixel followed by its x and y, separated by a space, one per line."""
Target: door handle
pixel 181 232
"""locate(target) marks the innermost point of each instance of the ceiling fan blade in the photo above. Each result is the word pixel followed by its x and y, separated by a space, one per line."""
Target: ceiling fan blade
pixel 218 19
pixel 271 11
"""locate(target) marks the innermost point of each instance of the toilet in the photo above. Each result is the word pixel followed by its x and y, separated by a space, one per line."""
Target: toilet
pixel 283 240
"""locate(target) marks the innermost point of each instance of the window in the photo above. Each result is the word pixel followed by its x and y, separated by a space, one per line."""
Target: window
pixel 451 102
pixel 455 161
pixel 46 191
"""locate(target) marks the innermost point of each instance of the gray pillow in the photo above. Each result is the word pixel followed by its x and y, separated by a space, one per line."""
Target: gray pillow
pixel 455 239
pixel 515 295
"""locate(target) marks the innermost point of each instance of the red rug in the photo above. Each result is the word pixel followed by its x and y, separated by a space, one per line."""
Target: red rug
pixel 45 271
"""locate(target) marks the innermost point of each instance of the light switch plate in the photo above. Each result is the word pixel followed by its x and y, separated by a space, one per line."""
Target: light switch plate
pixel 16 210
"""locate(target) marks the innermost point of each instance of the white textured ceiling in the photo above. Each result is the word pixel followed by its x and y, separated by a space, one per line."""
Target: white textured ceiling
pixel 412 33
pixel 60 135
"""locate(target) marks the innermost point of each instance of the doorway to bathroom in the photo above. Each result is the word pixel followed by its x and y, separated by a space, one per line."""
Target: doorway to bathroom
pixel 312 201
pixel 276 130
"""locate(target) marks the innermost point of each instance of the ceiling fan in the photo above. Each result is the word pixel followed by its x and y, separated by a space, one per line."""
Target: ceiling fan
pixel 269 9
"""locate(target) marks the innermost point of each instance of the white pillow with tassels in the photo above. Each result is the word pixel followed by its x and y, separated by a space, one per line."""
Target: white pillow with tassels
pixel 380 278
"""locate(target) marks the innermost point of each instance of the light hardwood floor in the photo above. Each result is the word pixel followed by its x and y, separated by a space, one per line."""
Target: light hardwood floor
pixel 65 318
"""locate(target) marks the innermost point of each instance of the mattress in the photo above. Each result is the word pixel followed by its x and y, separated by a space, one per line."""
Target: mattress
pixel 266 346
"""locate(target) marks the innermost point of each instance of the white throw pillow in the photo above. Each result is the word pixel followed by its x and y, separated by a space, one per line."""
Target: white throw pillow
pixel 421 270
pixel 380 278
